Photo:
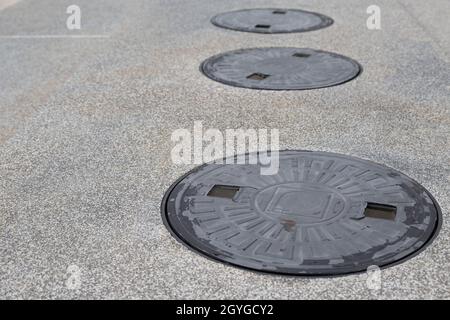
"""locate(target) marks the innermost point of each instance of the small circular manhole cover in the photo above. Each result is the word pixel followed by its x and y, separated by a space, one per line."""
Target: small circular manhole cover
pixel 272 20
pixel 321 214
pixel 280 68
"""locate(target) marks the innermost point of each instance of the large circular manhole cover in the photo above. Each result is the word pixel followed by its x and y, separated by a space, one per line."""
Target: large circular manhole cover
pixel 272 20
pixel 321 214
pixel 280 68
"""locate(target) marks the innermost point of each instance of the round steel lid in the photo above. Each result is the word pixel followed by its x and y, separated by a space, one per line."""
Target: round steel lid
pixel 321 214
pixel 272 20
pixel 280 68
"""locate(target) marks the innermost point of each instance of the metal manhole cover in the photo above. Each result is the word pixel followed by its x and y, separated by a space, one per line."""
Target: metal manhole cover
pixel 322 214
pixel 280 68
pixel 272 20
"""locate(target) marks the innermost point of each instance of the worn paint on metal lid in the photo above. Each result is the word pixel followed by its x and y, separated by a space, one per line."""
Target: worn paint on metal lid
pixel 321 214
pixel 272 20
pixel 280 68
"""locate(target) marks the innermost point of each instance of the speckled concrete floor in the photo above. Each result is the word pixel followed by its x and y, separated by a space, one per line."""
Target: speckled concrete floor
pixel 85 139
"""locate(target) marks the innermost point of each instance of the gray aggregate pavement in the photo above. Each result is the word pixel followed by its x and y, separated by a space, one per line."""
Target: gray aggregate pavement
pixel 85 143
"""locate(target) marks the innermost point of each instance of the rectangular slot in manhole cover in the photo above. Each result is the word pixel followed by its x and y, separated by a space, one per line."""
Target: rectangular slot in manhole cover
pixel 258 76
pixel 301 55
pixel 220 191
pixel 279 12
pixel 263 26
pixel 380 211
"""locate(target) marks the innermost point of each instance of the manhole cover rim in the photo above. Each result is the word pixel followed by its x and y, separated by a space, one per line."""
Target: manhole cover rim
pixel 236 84
pixel 179 238
pixel 326 21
